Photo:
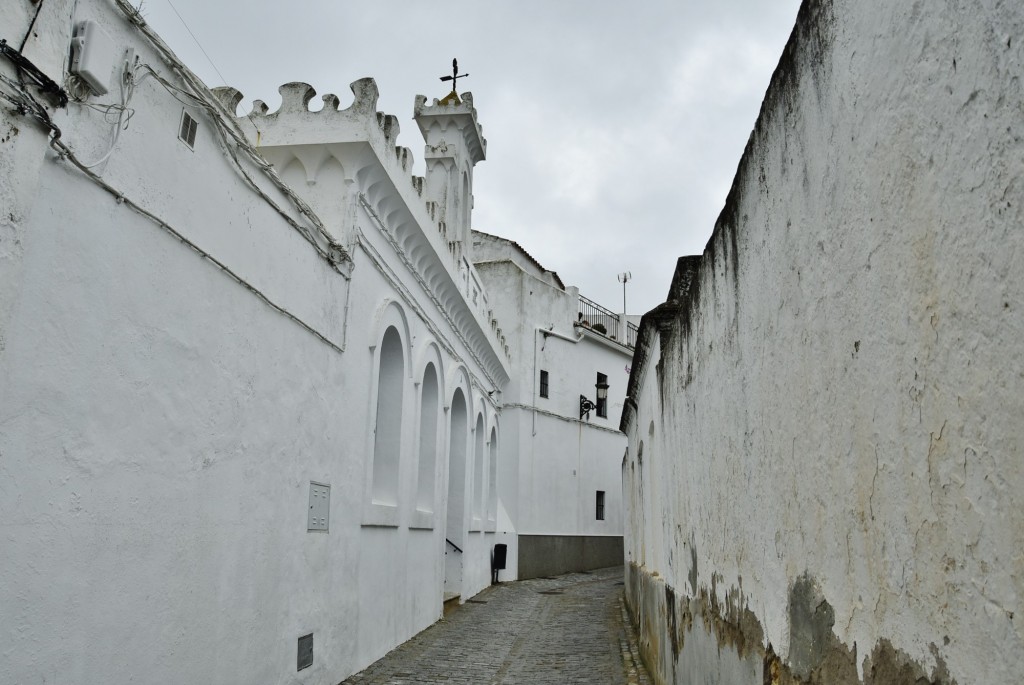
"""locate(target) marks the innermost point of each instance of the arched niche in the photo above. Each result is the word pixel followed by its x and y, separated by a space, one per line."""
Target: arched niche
pixel 390 364
pixel 387 441
pixel 479 437
pixel 458 441
pixel 430 434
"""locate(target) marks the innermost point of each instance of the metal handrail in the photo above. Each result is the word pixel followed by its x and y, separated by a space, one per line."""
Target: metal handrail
pixel 592 315
pixel 589 306
pixel 457 548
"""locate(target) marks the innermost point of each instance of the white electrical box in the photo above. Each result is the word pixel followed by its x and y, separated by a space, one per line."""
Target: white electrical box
pixel 319 506
pixel 92 56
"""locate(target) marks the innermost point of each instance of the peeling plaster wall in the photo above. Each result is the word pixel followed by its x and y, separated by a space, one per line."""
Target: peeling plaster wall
pixel 829 402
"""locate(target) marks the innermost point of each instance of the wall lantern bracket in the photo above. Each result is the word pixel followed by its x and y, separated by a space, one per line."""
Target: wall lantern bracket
pixel 586 406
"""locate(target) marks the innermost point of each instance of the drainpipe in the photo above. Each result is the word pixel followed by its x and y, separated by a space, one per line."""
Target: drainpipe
pixel 533 398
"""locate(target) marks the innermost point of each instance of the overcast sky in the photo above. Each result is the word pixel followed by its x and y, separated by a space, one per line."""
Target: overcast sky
pixel 613 128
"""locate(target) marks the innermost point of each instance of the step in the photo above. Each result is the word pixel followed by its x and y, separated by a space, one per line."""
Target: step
pixel 451 602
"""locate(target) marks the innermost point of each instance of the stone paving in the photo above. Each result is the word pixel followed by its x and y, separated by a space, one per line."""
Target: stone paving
pixel 568 630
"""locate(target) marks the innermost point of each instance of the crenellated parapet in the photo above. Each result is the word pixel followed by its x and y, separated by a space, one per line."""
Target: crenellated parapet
pixel 405 159
pixel 294 123
pixel 296 132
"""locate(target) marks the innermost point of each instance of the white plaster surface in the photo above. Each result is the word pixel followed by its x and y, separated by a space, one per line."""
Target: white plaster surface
pixel 160 423
pixel 842 396
pixel 554 463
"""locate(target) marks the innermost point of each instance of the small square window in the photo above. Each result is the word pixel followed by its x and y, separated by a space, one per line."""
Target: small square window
pixel 543 383
pixel 187 131
pixel 600 505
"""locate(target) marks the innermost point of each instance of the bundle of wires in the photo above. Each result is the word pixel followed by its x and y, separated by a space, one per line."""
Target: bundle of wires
pixel 79 92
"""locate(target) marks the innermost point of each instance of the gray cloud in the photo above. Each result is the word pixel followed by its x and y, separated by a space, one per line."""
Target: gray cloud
pixel 613 129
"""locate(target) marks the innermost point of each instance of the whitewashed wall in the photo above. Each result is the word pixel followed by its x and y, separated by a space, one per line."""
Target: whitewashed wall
pixel 830 487
pixel 556 462
pixel 161 422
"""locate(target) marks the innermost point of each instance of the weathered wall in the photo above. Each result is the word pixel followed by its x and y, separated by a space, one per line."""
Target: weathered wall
pixel 824 475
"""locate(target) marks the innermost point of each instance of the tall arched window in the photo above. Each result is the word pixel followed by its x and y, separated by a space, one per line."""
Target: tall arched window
pixel 428 440
pixel 387 438
pixel 457 468
pixel 478 468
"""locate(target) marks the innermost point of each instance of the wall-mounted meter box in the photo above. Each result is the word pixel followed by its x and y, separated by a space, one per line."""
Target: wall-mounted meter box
pixel 92 56
pixel 319 507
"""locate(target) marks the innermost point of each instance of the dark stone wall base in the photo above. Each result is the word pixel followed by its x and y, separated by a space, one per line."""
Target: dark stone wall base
pixel 551 555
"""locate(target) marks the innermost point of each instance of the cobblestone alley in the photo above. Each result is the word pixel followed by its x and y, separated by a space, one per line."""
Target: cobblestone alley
pixel 558 631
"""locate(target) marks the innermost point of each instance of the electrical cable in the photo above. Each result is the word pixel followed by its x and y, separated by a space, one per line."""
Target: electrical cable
pixel 64 151
pixel 200 45
pixel 26 105
pixel 26 68
pixel 31 25
pixel 210 60
pixel 124 113
pixel 254 156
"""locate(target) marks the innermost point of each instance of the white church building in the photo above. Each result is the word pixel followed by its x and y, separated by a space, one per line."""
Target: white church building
pixel 266 398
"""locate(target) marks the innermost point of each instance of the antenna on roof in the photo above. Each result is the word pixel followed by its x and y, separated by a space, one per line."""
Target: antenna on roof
pixel 624 278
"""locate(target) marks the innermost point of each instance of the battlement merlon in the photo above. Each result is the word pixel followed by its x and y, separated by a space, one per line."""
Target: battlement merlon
pixel 440 117
pixel 294 124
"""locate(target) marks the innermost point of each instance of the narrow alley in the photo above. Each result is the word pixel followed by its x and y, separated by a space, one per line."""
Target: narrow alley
pixel 559 631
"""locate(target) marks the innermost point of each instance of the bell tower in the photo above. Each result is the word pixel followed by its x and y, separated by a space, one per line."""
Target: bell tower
pixel 454 144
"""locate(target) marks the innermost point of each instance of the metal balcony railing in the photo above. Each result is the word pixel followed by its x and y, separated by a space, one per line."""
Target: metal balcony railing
pixel 632 331
pixel 604 321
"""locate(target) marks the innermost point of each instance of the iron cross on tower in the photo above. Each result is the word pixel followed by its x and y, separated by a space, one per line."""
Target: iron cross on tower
pixel 454 78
